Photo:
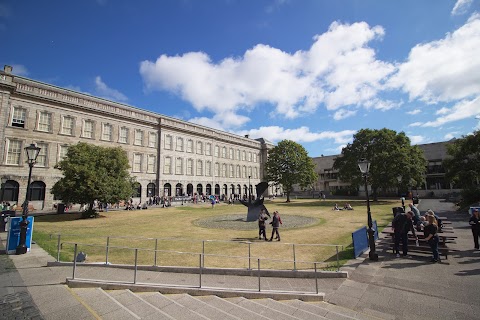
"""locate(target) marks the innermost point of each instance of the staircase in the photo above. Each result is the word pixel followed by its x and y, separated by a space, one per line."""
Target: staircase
pixel 125 304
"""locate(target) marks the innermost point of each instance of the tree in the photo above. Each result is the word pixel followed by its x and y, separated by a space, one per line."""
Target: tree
pixel 463 166
pixel 92 173
pixel 390 155
pixel 288 164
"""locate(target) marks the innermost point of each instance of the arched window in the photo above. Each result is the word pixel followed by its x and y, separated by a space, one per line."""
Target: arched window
pixel 37 191
pixel 179 189
pixel 151 188
pixel 225 189
pixel 199 189
pixel 10 191
pixel 190 189
pixel 167 189
pixel 217 189
pixel 209 189
pixel 137 193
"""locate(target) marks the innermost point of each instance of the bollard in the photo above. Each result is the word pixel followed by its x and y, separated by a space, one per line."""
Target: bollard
pixel 74 261
pixel 316 278
pixel 106 250
pixel 155 254
pixel 58 248
pixel 249 257
pixel 259 275
pixel 338 260
pixel 200 271
pixel 294 260
pixel 135 270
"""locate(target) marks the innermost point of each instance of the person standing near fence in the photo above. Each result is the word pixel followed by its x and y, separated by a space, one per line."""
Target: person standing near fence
pixel 276 222
pixel 475 225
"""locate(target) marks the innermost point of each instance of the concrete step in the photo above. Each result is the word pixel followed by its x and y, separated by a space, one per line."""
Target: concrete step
pixel 103 305
pixel 262 309
pixel 330 311
pixel 232 308
pixel 202 307
pixel 290 309
pixel 170 306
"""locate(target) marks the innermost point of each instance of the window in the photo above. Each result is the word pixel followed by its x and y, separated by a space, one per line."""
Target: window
pixel 230 155
pixel 123 135
pixel 199 167
pixel 208 169
pixel 255 173
pixel 244 172
pixel 224 170
pixel 179 144
pixel 152 139
pixel 255 157
pixel 208 149
pixel 107 132
pixel 224 152
pixel 179 166
pixel 189 145
pixel 249 171
pixel 168 142
pixel 88 129
pixel 167 167
pixel 45 122
pixel 250 156
pixel 151 163
pixel 67 125
pixel 138 137
pixel 243 155
pixel 37 191
pixel 62 152
pixel 14 151
pixel 190 167
pixel 237 154
pixel 199 147
pixel 237 173
pixel 137 162
pixel 230 173
pixel 42 155
pixel 19 116
pixel 216 169
pixel 217 151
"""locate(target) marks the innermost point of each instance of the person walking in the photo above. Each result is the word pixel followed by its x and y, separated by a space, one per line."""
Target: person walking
pixel 276 222
pixel 475 225
pixel 402 224
pixel 262 217
pixel 431 235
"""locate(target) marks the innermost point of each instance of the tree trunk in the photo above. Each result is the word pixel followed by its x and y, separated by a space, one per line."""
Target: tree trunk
pixel 375 194
pixel 288 196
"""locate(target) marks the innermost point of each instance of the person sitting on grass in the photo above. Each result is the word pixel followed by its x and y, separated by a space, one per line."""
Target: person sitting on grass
pixel 336 208
pixel 347 207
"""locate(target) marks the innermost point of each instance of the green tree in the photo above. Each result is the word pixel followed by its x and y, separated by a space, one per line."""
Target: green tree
pixel 463 166
pixel 390 155
pixel 288 164
pixel 92 173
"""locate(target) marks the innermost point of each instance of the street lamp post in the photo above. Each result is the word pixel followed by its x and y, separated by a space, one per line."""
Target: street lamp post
pixel 249 191
pixel 4 180
pixel 399 179
pixel 32 154
pixel 364 166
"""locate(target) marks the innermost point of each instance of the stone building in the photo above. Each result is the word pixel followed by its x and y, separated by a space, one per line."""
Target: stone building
pixel 167 156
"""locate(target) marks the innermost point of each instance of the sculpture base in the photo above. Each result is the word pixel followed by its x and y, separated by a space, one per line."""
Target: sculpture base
pixel 254 212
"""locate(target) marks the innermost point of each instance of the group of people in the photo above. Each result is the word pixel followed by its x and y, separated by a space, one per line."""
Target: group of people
pixel 276 222
pixel 412 221
pixel 347 206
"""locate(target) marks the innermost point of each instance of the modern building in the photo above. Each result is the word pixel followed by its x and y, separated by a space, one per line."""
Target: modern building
pixel 168 156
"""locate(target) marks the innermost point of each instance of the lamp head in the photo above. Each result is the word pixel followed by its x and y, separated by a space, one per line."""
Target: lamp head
pixel 32 153
pixel 399 179
pixel 364 166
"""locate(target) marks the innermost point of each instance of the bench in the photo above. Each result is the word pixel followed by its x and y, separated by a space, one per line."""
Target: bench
pixel 20 209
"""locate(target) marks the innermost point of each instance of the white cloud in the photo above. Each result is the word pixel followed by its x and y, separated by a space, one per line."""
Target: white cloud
pixel 443 110
pixel 222 121
pixel 342 114
pixel 444 70
pixel 415 124
pixel 461 7
pixel 275 5
pixel 301 134
pixel 414 112
pixel 450 135
pixel 19 70
pixel 417 139
pixel 338 70
pixel 462 110
pixel 108 93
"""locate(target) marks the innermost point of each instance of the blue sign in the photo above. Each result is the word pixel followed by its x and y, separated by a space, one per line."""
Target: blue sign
pixel 360 241
pixel 13 237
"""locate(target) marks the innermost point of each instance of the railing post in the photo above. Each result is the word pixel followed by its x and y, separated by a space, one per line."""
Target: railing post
pixel 294 259
pixel 203 253
pixel 200 270
pixel 155 254
pixel 74 261
pixel 136 266
pixel 316 278
pixel 249 256
pixel 58 248
pixel 259 288
pixel 338 260
pixel 106 250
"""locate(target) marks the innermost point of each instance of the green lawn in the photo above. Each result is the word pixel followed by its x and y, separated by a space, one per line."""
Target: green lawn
pixel 228 248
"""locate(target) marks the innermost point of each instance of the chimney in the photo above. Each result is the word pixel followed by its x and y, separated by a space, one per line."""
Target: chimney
pixel 7 69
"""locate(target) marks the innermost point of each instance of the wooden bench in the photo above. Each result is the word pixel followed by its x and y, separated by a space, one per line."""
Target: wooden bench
pixel 20 209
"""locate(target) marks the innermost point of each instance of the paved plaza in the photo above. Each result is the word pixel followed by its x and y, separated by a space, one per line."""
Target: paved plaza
pixel 392 288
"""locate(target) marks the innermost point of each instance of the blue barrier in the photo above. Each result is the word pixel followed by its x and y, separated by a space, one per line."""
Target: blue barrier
pixel 360 239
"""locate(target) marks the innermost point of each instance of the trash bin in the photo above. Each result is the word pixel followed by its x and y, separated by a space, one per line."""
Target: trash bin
pixel 397 210
pixel 60 208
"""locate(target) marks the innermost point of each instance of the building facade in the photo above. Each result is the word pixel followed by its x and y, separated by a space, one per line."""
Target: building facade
pixel 168 156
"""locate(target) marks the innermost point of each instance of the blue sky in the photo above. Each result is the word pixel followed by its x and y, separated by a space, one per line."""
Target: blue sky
pixel 311 71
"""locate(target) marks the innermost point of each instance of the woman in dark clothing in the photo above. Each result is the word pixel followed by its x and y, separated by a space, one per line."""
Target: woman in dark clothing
pixel 475 224
pixel 431 236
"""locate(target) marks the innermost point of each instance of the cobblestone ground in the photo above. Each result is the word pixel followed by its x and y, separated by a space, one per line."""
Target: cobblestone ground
pixel 15 301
